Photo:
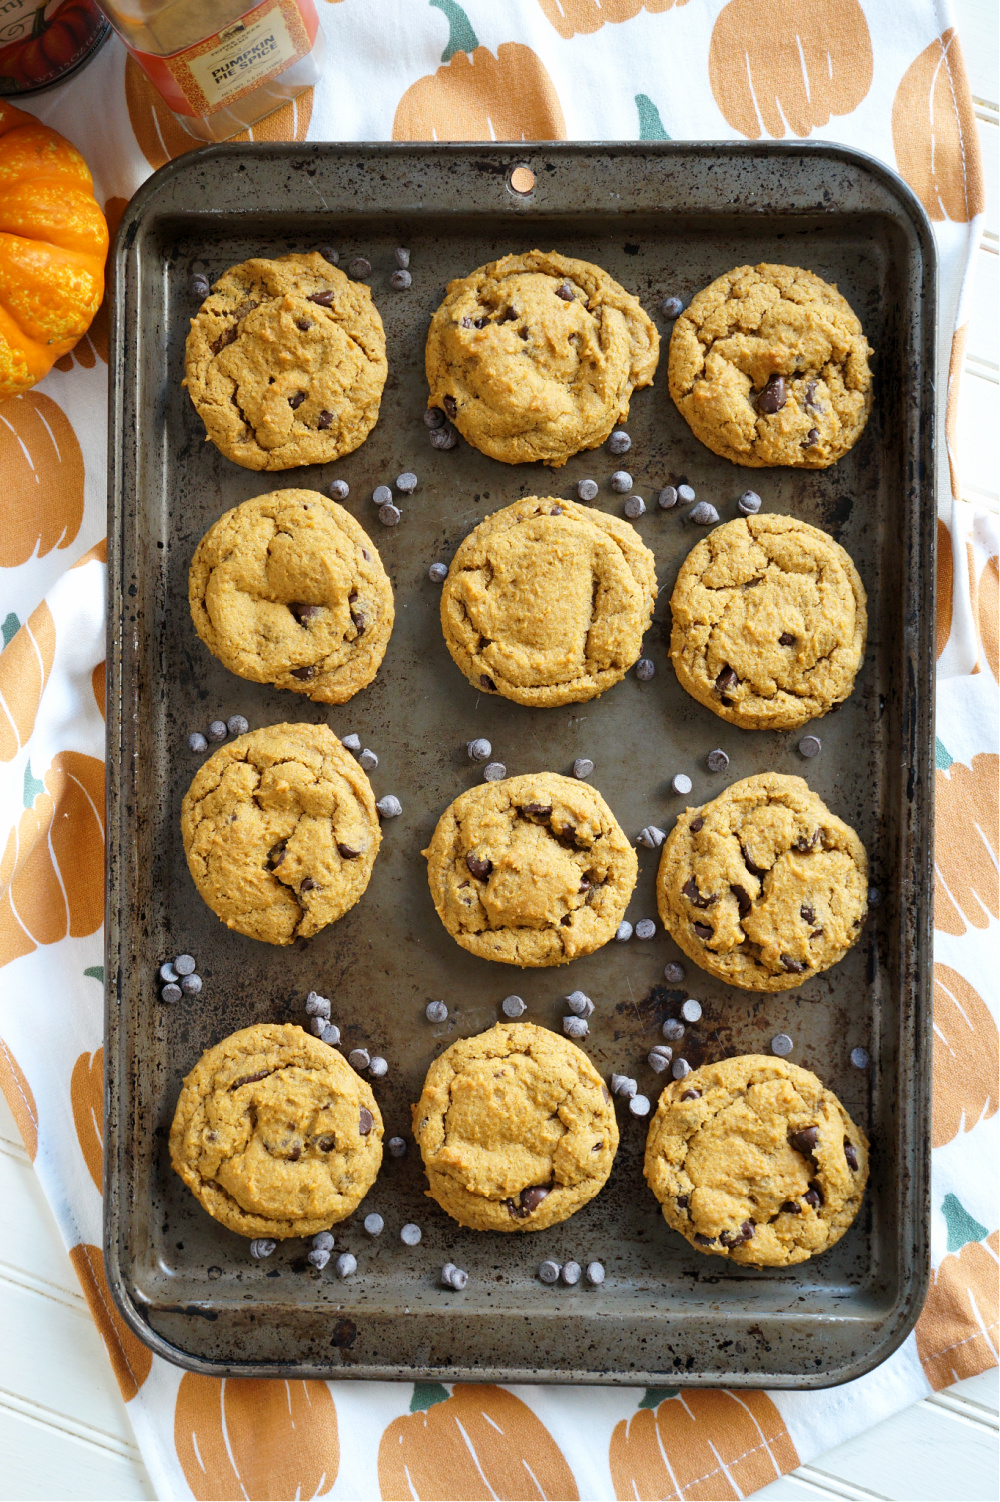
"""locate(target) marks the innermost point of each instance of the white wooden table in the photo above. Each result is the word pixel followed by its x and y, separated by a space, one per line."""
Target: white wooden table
pixel 64 1431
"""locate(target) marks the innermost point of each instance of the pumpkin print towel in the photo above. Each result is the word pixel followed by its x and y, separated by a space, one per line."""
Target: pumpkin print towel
pixel 887 78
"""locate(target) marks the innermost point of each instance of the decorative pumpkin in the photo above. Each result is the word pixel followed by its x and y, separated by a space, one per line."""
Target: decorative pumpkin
pixel 86 1092
pixel 14 1084
pixel 52 870
pixel 476 96
pixel 53 244
pixel 25 665
pixel 957 1333
pixel 94 344
pixel 255 1441
pixel 161 136
pixel 477 1444
pixel 800 61
pixel 581 17
pixel 130 1359
pixel 934 133
pixel 41 498
pixel 965 850
pixel 707 1444
pixel 945 586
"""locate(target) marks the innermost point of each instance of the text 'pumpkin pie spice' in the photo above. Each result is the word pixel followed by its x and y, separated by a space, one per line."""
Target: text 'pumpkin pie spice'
pixel 275 1134
pixel 516 1129
pixel 769 623
pixel 280 831
pixel 531 870
pixel 763 887
pixel 536 356
pixel 546 602
pixel 288 589
pixel 769 365
pixel 755 1160
pixel 285 363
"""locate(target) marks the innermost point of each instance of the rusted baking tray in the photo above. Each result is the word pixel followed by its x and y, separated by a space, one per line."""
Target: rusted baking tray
pixel 662 218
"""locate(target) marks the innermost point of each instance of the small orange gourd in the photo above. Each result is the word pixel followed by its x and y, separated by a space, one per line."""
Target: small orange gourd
pixel 53 244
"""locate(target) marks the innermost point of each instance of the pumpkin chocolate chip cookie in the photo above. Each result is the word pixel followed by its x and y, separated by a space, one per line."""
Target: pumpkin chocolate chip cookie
pixel 769 365
pixel 275 1134
pixel 546 602
pixel 755 1160
pixel 531 871
pixel 536 356
pixel 280 831
pixel 288 589
pixel 285 363
pixel 764 886
pixel 516 1129
pixel 769 623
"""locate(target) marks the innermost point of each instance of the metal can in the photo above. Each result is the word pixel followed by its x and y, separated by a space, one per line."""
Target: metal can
pixel 43 42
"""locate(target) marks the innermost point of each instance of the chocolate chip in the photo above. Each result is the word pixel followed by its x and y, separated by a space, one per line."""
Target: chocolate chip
pixel 645 669
pixel 660 1058
pixel 276 855
pixel 549 1271
pixel 401 281
pixel 513 1006
pixel 747 1230
pixel 305 324
pixel 791 1207
pixel 303 613
pixel 781 1045
pixel 487 682
pixel 316 1005
pixel 358 618
pixel 810 745
pixel 704 514
pixel 359 268
pixel 874 896
pixel 262 1246
pixel 397 1147
pixel 389 807
pixel 480 869
pixel 444 438
pixel 813 1196
pixel 786 639
pixel 810 393
pixel 639 1105
pixel 595 1274
pixel 860 1058
pixel 433 417
pixel 296 401
pixel 582 767
pixel 621 481
pixel 667 497
pixel 794 967
pixel 702 930
pixel 811 438
pixel 566 292
pixel 673 974
pixel 623 1086
pixel 634 507
pixel 450 406
pixel 407 482
pixel 805 1141
pixel 347 852
pixel 224 340
pixel 318 1257
pixel 198 285
pixel 532 1198
pixel 691 1095
pixel 307 884
pixel 365 1121
pixel 650 836
pixel 540 811
pixel 324 420
pixel 305 674
pixel 494 771
pixel 749 503
pixel 672 307
pixel 168 973
pixel 218 730
pixel 619 442
pixel 197 743
pixel 587 489
pixel 339 490
pixel 378 1068
pixel 171 992
pixel 326 1032
pixel 717 761
pixel 191 985
pixel 704 1240
pixel 580 1004
pixel 324 298
pixel 575 1027
pixel 691 892
pixel 726 679
pixel 389 515
pixel 645 929
pixel 696 825
pixel 773 396
pixel 681 784
pixel 682 1201
pixel 437 573
pixel 850 1153
pixel 807 842
pixel 556 511
pixel 680 1068
pixel 742 900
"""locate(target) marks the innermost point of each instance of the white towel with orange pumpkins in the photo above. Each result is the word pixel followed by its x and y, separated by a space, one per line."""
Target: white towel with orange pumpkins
pixel 887 78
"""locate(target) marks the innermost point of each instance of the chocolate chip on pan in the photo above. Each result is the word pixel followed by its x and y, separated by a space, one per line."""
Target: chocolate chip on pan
pixel 782 1045
pixel 667 498
pixel 619 442
pixel 634 507
pixel 672 307
pixel 717 761
pixel 397 1147
pixel 443 438
pixel 338 490
pixel 587 490
pixel 199 285
pixel 621 481
pixel 549 1272
pixel 436 1011
pixel 437 573
pixel 359 268
pixel 479 749
pixel 681 784
pixel 673 973
pixel 410 1234
pixel 401 280
pixel 197 743
pixel 645 669
pixel 749 503
pixel 624 931
pixel 513 1006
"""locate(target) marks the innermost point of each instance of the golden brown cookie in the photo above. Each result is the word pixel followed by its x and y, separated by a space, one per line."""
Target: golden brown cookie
pixel 516 1129
pixel 280 831
pixel 755 1160
pixel 546 602
pixel 764 886
pixel 285 362
pixel 769 365
pixel 533 870
pixel 536 356
pixel 288 589
pixel 275 1134
pixel 769 623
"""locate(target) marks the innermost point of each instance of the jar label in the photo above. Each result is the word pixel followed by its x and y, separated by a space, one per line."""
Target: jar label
pixel 215 73
pixel 44 40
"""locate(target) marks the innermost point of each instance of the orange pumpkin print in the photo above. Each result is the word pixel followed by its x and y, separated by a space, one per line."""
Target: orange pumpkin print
pixel 581 17
pixel 965 855
pixel 86 1089
pixel 966 1057
pixel 700 1443
pixel 957 1333
pixel 481 1443
pixel 14 1084
pixel 25 665
pixel 945 586
pixel 161 136
pixel 958 343
pixel 94 344
pixel 98 682
pixel 41 499
pixel 989 612
pixel 256 1441
pixel 477 95
pixel 52 869
pixel 780 67
pixel 934 133
pixel 98 553
pixel 130 1359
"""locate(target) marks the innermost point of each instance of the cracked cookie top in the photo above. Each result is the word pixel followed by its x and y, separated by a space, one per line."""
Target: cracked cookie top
pixel 516 1129
pixel 280 831
pixel 755 1160
pixel 769 365
pixel 536 356
pixel 275 1134
pixel 285 362
pixel 531 871
pixel 288 589
pixel 769 622
pixel 546 602
pixel 764 886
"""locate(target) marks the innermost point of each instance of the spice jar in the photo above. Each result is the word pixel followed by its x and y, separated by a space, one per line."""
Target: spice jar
pixel 43 41
pixel 222 65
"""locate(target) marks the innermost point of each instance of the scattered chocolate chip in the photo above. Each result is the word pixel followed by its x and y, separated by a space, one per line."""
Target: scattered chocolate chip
pixel 781 1045
pixel 218 730
pixel 359 268
pixel 623 1086
pixel 575 1027
pixel 318 1257
pixel 365 1121
pixel 401 281
pixel 810 745
pixel 645 669
pixel 650 836
pixel 487 682
pixel 726 679
pixel 347 852
pixel 199 285
pixel 634 507
pixel 326 1032
pixel 672 307
pixel 773 396
pixel 673 973
pixel 582 767
pixel 681 784
pixel 304 674
pixel 339 490
pixel 480 869
pixel 407 482
pixel 171 992
pixel 742 900
pixel 580 1004
pixel 191 985
pixel 623 932
pixel 691 1010
pixel 639 1105
pixel 443 438
pixel 479 749
pixel 794 967
pixel 860 1058
pixel 703 930
pixel 197 743
pixel 660 1057
pixel 874 896
pixel 621 481
pixel 595 1274
pixel 368 761
pixel 680 1069
pixel 397 1147
pixel 316 1005
pixel 672 1027
pixel 717 761
pixel 410 1234
pixel 587 489
pixel 437 573
pixel 667 497
pixel 389 807
pixel 436 1011
pixel 549 1271
pixel 805 1141
pixel 378 1068
pixel 346 1264
pixel 850 1153
pixel 262 1246
pixel 168 973
pixel 184 964
pixel 296 401
pixel 645 928
pixel 682 1201
pixel 704 1240
pixel 513 1006
pixel 704 514
pixel 494 771
pixel 619 442
pixel 324 298
pixel 749 503
pixel 237 724
pixel 433 417
pixel 691 1095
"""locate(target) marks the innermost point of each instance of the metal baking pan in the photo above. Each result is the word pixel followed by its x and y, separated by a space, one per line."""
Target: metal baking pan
pixel 662 218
